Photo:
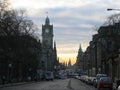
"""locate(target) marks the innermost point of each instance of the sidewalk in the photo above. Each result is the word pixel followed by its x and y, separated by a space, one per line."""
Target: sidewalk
pixel 14 84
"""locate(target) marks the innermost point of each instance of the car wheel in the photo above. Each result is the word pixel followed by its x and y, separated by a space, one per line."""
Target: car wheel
pixel 98 88
pixel 111 89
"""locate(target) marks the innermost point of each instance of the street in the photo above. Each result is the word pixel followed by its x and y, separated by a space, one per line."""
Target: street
pixel 66 84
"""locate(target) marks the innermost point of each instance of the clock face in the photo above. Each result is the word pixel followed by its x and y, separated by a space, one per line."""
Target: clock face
pixel 46 30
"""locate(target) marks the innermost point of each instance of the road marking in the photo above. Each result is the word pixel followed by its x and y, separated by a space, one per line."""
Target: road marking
pixel 69 85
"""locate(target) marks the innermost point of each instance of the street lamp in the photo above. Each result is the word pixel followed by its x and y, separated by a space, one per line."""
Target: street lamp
pixel 110 9
pixel 30 71
pixel 88 68
pixel 9 66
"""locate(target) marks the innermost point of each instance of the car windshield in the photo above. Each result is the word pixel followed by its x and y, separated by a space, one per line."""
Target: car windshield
pixel 106 79
pixel 48 74
pixel 100 75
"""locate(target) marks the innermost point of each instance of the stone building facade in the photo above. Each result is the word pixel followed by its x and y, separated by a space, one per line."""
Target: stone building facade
pixel 102 54
pixel 79 62
pixel 49 52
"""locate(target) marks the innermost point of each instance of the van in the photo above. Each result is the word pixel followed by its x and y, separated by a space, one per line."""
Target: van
pixel 49 75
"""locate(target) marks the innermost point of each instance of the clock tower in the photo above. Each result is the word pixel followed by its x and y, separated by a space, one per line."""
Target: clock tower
pixel 47 45
pixel 47 35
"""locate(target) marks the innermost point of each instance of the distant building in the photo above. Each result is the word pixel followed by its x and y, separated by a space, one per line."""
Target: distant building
pixel 49 52
pixel 103 53
pixel 69 64
pixel 79 61
pixel 109 44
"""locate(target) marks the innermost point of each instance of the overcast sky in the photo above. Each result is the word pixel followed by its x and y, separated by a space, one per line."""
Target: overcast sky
pixel 73 20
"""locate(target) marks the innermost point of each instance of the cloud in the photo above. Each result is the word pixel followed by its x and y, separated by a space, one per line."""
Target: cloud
pixel 48 3
pixel 73 20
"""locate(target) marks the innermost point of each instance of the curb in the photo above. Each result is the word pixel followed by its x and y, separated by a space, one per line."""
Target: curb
pixel 15 84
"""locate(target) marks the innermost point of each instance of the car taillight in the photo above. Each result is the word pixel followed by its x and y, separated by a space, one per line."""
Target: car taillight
pixel 100 82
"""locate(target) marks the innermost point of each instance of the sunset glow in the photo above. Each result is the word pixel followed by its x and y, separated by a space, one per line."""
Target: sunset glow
pixel 73 21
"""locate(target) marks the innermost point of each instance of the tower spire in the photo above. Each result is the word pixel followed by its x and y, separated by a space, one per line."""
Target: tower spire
pixel 47 13
pixel 47 21
pixel 69 63
pixel 80 49
pixel 54 45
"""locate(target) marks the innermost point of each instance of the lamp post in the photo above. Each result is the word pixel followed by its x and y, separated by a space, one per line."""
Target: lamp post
pixel 30 72
pixel 9 66
pixel 88 68
pixel 110 9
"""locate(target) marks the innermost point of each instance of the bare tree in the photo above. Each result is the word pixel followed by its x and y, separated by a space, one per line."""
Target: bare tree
pixel 18 46
pixel 14 22
pixel 111 20
pixel 95 28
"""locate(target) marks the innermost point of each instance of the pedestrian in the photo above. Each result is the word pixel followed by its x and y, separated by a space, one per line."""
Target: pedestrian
pixel 3 80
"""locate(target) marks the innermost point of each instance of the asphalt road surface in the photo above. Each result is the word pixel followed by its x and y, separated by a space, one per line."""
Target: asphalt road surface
pixel 66 84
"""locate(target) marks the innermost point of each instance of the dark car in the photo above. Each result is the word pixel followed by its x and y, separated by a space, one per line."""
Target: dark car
pixel 105 82
pixel 98 76
pixel 49 75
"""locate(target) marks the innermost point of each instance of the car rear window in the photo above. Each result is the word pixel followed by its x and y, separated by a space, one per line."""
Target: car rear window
pixel 106 79
pixel 100 75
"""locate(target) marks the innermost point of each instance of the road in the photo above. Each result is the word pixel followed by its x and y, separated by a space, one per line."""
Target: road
pixel 66 84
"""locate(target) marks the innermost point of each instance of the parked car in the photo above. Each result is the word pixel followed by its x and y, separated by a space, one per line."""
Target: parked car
pixel 49 75
pixel 118 87
pixel 105 82
pixel 116 84
pixel 57 76
pixel 98 76
pixel 84 78
pixel 62 76
pixel 77 77
pixel 91 80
